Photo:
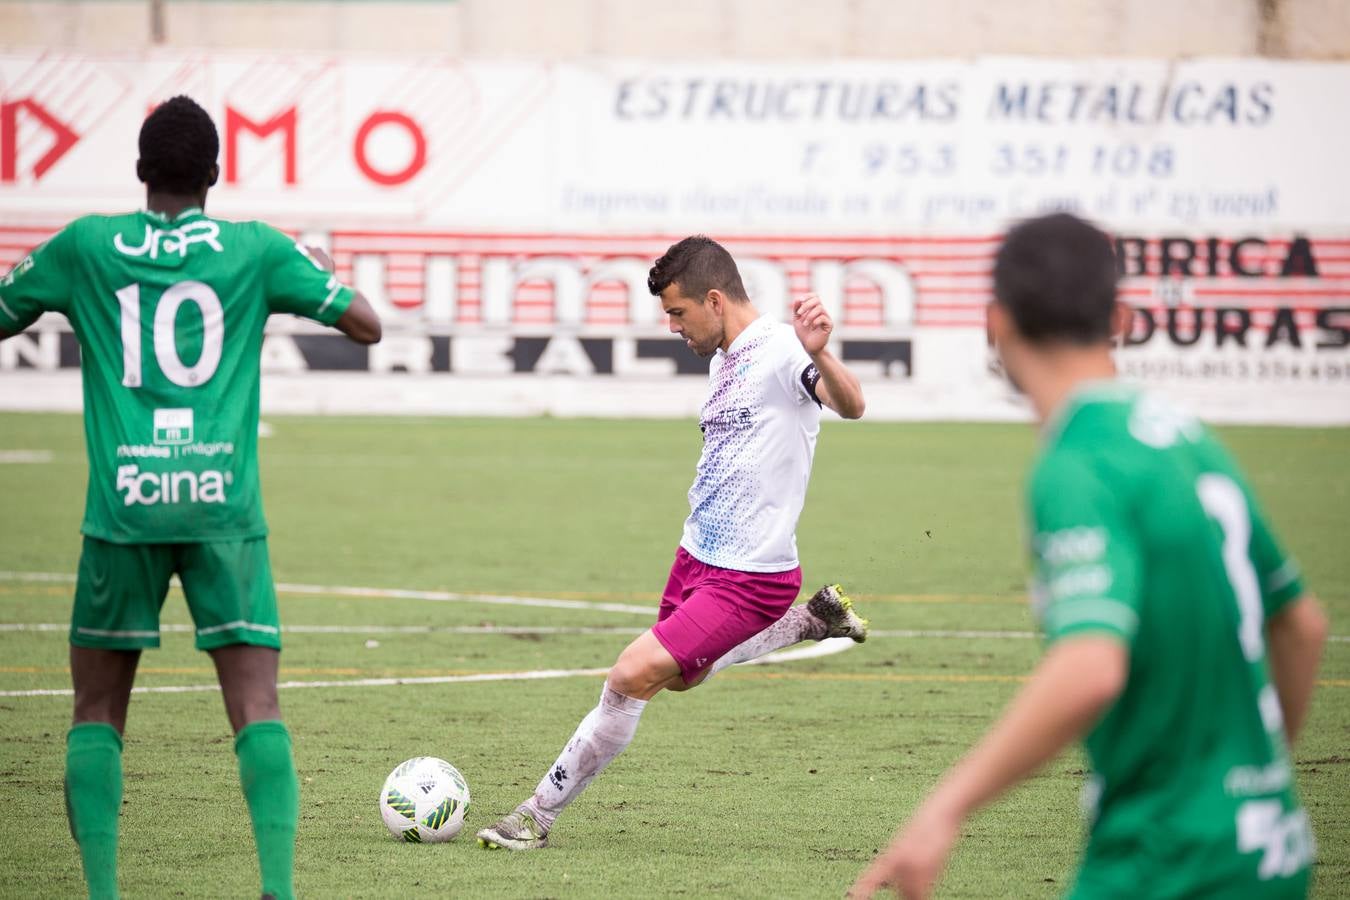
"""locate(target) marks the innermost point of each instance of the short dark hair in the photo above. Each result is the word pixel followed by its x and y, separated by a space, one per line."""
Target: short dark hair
pixel 1056 275
pixel 179 146
pixel 698 264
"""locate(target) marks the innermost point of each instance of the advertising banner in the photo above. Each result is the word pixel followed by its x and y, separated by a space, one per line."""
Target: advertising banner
pixel 503 216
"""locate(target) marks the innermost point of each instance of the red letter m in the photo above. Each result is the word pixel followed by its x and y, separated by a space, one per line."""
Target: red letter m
pixel 235 122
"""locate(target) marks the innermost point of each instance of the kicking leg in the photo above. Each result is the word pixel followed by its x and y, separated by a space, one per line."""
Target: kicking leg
pixel 643 670
pixel 248 681
pixel 827 614
pixel 93 788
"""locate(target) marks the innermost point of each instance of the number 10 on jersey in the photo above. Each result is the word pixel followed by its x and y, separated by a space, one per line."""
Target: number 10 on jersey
pixel 165 344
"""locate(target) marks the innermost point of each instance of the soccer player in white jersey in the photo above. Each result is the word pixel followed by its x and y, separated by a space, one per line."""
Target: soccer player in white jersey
pixel 735 576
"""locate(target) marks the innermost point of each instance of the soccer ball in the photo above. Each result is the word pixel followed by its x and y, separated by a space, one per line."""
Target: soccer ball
pixel 424 800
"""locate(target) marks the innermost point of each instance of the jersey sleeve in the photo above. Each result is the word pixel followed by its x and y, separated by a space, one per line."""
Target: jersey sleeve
pixel 1086 557
pixel 1279 573
pixel 295 283
pixel 796 372
pixel 40 283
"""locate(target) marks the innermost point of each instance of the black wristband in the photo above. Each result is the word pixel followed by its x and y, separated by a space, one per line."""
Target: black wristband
pixel 810 378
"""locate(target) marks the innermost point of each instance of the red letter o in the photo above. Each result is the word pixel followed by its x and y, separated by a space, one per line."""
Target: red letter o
pixel 419 157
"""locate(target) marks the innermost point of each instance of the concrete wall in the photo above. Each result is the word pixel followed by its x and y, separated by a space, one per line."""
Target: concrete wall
pixel 662 29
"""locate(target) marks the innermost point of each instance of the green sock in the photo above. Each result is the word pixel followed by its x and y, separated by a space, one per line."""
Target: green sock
pixel 94 800
pixel 267 773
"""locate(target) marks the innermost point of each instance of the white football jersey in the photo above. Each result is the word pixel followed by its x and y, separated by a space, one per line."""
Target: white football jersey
pixel 759 424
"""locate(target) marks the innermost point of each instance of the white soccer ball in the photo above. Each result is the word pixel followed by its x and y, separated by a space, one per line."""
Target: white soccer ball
pixel 424 800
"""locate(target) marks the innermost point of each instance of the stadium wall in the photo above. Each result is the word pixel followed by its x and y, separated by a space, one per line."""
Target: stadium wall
pixel 696 29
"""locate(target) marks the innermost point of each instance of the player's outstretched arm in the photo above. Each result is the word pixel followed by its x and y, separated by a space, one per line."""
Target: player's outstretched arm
pixel 1079 678
pixel 1294 639
pixel 838 388
pixel 359 322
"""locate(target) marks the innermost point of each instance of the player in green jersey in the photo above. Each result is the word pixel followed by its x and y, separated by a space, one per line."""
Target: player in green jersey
pixel 169 306
pixel 1182 646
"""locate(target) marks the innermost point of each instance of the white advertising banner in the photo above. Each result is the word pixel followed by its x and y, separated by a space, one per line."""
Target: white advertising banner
pixel 503 216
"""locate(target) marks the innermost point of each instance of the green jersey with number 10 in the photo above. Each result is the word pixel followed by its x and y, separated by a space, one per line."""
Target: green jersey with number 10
pixel 1144 529
pixel 169 315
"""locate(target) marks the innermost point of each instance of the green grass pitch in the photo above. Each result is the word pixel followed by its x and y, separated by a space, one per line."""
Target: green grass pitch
pixel 778 780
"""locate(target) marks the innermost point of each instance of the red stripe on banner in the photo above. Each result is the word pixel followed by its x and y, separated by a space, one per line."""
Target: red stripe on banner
pixel 949 323
pixel 943 309
pixel 951 276
pixel 950 290
pixel 1262 291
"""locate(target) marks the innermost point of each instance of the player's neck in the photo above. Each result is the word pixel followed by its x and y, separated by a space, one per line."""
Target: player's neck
pixel 1060 372
pixel 739 316
pixel 171 206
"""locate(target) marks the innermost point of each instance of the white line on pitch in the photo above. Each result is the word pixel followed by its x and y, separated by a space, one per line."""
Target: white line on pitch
pixel 374 629
pixel 26 456
pixel 560 630
pixel 360 682
pixel 505 629
pixel 456 597
pixel 346 590
pixel 941 633
pixel 822 648
pixel 503 600
pixel 61 577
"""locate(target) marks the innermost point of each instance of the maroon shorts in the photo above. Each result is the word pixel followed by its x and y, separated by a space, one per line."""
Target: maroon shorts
pixel 705 611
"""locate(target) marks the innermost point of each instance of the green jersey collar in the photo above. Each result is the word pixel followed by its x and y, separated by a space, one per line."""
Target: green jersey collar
pixel 189 213
pixel 1095 390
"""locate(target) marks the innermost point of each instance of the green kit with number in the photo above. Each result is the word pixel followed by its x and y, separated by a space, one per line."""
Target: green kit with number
pixel 169 315
pixel 1143 528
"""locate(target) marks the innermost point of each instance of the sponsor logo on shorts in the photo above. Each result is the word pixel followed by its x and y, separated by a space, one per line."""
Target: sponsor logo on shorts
pixel 154 488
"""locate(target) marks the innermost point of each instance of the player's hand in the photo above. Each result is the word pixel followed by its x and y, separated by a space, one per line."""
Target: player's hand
pixel 915 858
pixel 321 259
pixel 812 323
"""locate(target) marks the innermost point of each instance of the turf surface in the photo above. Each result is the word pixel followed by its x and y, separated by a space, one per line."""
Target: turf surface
pixel 777 780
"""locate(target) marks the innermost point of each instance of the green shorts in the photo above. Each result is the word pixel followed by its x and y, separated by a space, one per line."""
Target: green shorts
pixel 121 588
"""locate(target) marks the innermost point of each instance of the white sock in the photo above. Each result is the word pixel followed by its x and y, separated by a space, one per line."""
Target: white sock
pixel 600 737
pixel 797 625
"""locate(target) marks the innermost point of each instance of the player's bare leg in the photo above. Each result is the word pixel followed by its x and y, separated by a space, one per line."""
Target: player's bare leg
pixel 102 680
pixel 248 681
pixel 644 669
